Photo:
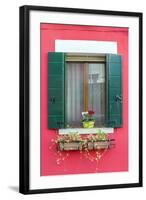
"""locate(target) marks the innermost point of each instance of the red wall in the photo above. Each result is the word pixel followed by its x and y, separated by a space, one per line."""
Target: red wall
pixel 113 160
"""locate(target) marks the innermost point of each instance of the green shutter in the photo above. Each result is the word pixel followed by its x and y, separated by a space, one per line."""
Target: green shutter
pixel 56 73
pixel 114 91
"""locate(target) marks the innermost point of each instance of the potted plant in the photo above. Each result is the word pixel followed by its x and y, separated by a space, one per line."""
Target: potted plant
pixel 71 141
pixel 88 119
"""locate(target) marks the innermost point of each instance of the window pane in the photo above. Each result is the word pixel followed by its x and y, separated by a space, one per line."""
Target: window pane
pixel 85 90
pixel 96 83
pixel 74 94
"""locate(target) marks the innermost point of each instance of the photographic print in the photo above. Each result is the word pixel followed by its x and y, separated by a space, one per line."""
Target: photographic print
pixel 80 99
pixel 85 75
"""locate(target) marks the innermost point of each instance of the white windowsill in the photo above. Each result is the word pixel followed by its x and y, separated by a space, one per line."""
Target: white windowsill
pixel 85 130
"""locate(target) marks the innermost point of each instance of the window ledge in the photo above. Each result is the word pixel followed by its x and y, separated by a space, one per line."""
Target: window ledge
pixel 85 130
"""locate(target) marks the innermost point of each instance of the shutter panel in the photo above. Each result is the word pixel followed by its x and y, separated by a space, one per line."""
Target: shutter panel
pixel 56 88
pixel 114 91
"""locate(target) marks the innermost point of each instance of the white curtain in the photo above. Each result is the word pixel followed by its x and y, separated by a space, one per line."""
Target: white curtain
pixel 74 93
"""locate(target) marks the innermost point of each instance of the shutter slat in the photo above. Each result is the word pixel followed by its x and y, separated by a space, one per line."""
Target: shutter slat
pixel 56 63
pixel 114 91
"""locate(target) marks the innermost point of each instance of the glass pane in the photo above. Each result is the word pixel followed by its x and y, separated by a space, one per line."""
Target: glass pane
pixel 96 81
pixel 74 94
pixel 85 90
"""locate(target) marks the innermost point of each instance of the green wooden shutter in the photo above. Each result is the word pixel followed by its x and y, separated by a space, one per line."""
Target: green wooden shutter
pixel 56 88
pixel 114 91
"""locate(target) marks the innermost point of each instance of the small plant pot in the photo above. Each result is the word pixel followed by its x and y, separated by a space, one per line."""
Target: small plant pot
pixel 88 124
pixel 67 146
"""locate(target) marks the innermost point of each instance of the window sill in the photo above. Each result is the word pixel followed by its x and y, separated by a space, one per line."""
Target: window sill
pixel 85 130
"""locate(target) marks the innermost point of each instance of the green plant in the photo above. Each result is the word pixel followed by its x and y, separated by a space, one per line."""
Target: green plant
pixel 76 137
pixel 70 137
pixel 88 116
pixel 100 135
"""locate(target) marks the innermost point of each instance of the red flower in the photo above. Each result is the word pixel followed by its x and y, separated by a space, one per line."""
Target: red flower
pixel 91 112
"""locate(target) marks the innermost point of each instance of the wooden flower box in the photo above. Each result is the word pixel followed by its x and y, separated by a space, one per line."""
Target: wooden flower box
pixel 67 146
pixel 98 145
pixel 90 145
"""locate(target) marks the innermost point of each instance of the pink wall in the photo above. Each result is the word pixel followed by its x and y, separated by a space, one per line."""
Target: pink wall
pixel 113 160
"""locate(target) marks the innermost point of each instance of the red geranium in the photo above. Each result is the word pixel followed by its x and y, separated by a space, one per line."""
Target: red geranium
pixel 91 112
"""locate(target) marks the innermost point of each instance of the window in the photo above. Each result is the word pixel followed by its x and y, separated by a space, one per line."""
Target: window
pixel 85 90
pixel 81 82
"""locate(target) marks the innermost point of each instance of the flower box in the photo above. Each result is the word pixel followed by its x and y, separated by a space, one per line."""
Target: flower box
pixel 98 145
pixel 67 146
pixel 74 141
pixel 90 145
